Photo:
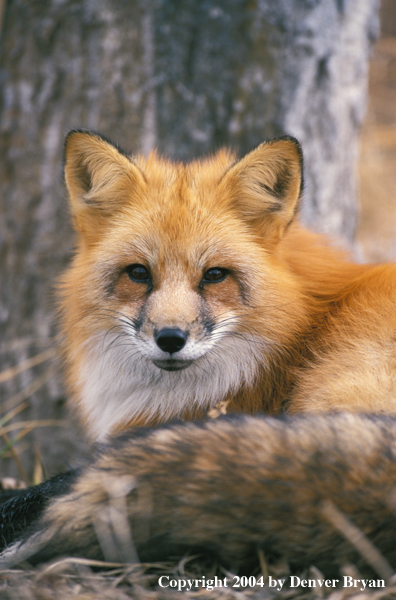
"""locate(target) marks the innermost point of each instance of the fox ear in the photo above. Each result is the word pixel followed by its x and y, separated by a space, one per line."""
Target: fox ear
pixel 266 186
pixel 98 179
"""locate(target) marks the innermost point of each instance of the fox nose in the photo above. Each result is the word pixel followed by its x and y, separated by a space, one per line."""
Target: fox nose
pixel 171 339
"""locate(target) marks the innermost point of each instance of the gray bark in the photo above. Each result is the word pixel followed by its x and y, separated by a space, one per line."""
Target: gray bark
pixel 186 76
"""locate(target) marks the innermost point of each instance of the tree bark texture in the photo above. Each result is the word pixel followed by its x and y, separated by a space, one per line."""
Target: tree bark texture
pixel 185 76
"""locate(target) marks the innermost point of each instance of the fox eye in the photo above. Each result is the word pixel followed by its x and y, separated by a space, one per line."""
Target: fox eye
pixel 138 273
pixel 214 275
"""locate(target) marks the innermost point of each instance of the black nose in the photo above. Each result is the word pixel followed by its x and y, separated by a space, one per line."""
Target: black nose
pixel 171 339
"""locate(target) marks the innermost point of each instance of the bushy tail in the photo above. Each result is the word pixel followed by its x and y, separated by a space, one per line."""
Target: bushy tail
pixel 312 489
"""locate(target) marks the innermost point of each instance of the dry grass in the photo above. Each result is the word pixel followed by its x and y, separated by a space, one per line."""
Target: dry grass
pixel 13 427
pixel 81 579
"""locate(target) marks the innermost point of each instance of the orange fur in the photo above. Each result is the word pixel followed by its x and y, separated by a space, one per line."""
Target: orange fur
pixel 293 324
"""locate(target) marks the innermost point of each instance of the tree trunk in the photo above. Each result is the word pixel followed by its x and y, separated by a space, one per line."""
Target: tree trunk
pixel 183 75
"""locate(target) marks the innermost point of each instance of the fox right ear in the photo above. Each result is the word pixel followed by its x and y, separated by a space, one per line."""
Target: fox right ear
pixel 266 185
pixel 98 178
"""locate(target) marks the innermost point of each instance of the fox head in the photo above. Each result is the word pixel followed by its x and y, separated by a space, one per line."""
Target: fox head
pixel 176 296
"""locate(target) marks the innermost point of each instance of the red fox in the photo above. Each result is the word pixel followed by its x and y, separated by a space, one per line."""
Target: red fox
pixel 312 489
pixel 193 286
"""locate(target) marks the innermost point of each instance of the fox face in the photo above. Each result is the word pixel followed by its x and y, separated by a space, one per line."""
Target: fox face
pixel 172 301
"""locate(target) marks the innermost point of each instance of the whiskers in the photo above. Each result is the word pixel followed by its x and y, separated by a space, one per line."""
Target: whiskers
pixel 115 328
pixel 119 382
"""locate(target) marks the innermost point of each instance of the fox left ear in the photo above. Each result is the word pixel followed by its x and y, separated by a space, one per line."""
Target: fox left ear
pixel 99 178
pixel 266 186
